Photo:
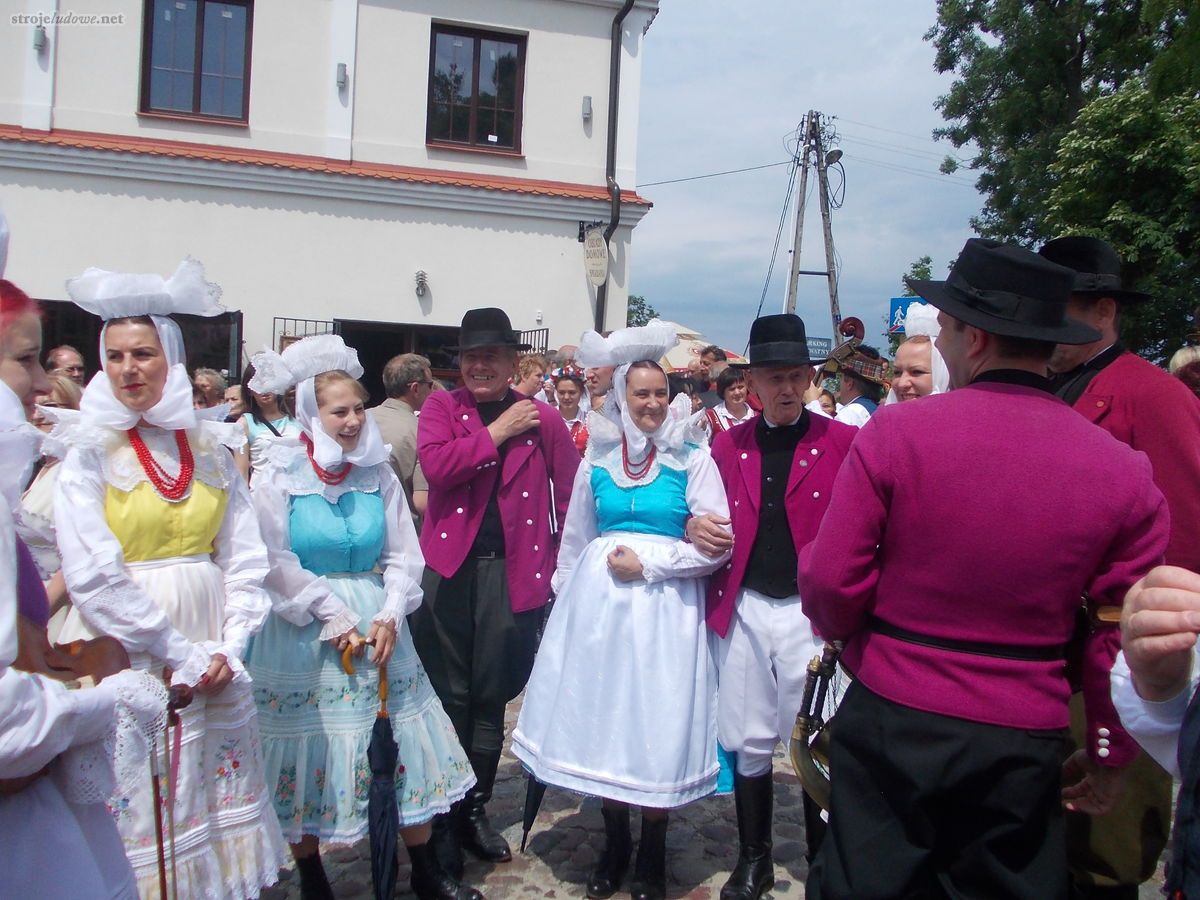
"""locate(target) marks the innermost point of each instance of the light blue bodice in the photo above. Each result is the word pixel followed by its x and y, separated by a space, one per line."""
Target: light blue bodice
pixel 659 507
pixel 343 535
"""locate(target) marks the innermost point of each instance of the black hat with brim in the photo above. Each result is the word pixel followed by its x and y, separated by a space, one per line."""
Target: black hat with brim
pixel 1096 265
pixel 777 341
pixel 1008 291
pixel 488 327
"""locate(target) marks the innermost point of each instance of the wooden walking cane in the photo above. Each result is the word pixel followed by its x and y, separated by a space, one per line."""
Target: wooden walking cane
pixel 155 785
pixel 172 764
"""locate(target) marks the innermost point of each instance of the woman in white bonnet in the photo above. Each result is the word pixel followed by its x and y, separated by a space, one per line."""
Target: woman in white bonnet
pixel 918 369
pixel 345 571
pixel 161 550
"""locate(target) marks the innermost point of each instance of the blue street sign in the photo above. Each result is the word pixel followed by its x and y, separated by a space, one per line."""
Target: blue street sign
pixel 820 348
pixel 898 311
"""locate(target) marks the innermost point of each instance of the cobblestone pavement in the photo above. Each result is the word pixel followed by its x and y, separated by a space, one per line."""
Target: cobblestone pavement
pixel 566 841
pixel 567 837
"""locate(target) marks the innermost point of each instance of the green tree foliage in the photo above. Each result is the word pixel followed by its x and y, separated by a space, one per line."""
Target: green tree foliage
pixel 1080 115
pixel 1129 172
pixel 639 312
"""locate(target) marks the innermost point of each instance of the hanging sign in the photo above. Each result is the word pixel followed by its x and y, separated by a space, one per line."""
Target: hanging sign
pixel 595 256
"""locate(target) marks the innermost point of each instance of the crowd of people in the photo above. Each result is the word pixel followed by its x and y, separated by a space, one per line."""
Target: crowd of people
pixel 652 557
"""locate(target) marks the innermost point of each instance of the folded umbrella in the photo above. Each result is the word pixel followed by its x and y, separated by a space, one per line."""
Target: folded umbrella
pixel 534 792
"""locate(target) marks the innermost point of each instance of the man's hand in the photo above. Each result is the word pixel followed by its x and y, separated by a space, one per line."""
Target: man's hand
pixel 813 391
pixel 382 637
pixel 710 534
pixel 1088 787
pixel 217 677
pixel 624 564
pixel 517 419
pixel 1159 624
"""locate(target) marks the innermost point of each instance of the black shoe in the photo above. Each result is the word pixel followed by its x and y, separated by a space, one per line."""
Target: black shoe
pixel 476 832
pixel 650 870
pixel 430 882
pixel 314 885
pixel 444 842
pixel 614 859
pixel 754 873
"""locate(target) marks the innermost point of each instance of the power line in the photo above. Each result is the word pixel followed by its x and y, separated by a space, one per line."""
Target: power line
pixel 892 148
pixel 915 173
pixel 716 174
pixel 918 137
pixel 787 202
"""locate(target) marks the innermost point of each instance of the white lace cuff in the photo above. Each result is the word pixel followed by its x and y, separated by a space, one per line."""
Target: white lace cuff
pixel 232 659
pixel 339 625
pixel 93 772
pixel 194 667
pixel 386 615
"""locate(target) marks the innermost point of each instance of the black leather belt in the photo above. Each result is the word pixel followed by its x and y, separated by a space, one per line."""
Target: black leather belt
pixel 1025 653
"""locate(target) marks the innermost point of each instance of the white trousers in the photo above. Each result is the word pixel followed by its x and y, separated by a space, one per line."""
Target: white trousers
pixel 762 663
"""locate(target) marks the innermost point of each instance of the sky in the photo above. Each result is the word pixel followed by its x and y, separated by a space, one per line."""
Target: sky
pixel 724 86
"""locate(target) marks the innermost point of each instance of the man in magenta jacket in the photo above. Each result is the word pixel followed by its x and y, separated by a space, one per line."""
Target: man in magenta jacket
pixel 1140 405
pixel 777 469
pixel 500 469
pixel 962 532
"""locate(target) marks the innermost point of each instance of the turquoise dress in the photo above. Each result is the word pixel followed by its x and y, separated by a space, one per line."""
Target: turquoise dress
pixel 622 699
pixel 328 545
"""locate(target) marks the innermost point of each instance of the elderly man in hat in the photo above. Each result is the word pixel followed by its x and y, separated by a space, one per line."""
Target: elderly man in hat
pixel 1140 405
pixel 500 468
pixel 961 534
pixel 778 471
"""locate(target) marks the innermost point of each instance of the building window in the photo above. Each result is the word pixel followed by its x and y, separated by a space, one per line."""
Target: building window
pixel 196 58
pixel 476 79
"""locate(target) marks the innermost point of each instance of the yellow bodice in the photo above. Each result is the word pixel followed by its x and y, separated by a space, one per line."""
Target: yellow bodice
pixel 150 527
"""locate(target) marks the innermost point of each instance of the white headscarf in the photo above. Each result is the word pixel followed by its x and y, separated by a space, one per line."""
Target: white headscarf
pixel 19 446
pixel 299 365
pixel 921 319
pixel 115 295
pixel 622 348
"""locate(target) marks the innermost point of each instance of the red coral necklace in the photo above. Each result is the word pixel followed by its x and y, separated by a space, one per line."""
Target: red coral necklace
pixel 324 474
pixel 168 488
pixel 638 472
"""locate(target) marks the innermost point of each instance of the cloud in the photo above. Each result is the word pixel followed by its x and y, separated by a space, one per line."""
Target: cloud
pixel 723 86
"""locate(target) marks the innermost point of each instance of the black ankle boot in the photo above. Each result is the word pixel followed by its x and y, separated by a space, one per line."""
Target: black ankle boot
pixel 444 842
pixel 477 833
pixel 754 873
pixel 614 860
pixel 314 885
pixel 430 882
pixel 650 870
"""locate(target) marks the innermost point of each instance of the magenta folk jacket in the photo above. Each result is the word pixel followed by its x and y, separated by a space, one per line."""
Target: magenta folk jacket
pixel 462 464
pixel 738 459
pixel 984 515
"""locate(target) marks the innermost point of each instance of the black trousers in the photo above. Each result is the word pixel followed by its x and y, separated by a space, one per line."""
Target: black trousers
pixel 477 651
pixel 925 805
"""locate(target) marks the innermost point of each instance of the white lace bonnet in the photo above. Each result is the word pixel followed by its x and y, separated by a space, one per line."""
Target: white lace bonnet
pixel 921 319
pixel 298 366
pixel 117 295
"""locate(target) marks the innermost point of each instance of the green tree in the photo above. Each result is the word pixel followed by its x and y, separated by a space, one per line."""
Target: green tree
pixel 639 312
pixel 1129 172
pixel 1024 69
pixel 920 270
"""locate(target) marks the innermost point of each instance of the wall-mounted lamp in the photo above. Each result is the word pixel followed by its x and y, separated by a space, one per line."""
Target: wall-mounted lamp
pixel 39 38
pixel 538 317
pixel 587 109
pixel 422 282
pixel 343 77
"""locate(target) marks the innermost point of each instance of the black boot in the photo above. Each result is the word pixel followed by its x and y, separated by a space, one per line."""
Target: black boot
pixel 444 842
pixel 313 883
pixel 754 873
pixel 614 860
pixel 477 833
pixel 650 870
pixel 430 882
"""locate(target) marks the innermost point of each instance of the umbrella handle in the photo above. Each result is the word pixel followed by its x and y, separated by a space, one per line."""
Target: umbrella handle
pixel 347 665
pixel 383 692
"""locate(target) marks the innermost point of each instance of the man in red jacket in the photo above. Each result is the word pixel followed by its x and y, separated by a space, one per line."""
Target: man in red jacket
pixel 777 470
pixel 961 534
pixel 1140 405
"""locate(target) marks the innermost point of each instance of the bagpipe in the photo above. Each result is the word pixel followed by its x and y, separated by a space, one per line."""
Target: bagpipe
pixel 809 746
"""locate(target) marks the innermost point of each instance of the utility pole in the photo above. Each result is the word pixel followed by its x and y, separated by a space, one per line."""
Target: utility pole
pixel 812 149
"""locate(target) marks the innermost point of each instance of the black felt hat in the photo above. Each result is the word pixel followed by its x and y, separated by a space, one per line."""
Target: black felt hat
pixel 1009 291
pixel 1096 265
pixel 488 327
pixel 777 340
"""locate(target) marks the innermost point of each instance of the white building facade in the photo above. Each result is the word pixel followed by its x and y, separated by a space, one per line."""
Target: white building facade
pixel 373 167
